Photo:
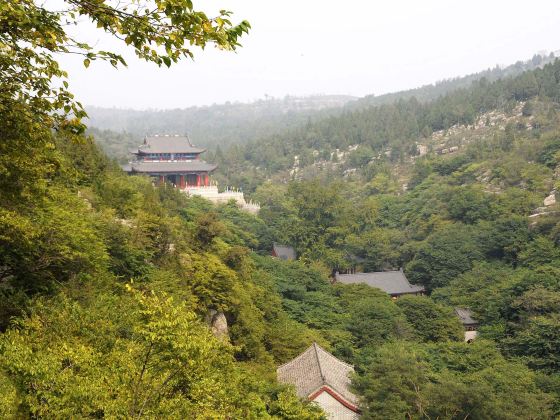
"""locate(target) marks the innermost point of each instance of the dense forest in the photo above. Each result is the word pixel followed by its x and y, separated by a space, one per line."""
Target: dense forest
pixel 110 286
pixel 115 276
pixel 459 191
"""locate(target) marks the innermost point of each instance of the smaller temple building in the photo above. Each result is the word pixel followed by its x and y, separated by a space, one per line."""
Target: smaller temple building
pixel 172 159
pixel 283 252
pixel 469 323
pixel 393 283
pixel 320 377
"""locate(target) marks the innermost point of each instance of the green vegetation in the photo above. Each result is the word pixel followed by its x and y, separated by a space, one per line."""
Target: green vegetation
pixel 106 280
pixel 374 136
pixel 109 285
pixel 468 223
pixel 106 284
pixel 449 381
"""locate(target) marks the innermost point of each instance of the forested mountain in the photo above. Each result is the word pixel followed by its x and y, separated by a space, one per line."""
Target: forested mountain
pixel 119 130
pixel 460 191
pixel 433 91
pixel 363 139
pixel 120 298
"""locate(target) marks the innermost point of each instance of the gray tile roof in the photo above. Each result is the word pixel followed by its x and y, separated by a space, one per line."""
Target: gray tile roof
pixel 168 144
pixel 465 315
pixel 284 252
pixel 315 368
pixel 170 167
pixel 394 283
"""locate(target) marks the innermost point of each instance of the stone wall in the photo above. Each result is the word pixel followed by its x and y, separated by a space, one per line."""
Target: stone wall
pixel 211 193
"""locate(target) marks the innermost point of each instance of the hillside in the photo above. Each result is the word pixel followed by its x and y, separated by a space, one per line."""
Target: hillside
pixel 361 140
pixel 111 289
pixel 461 192
pixel 123 297
pixel 223 125
pixel 117 287
pixel 119 130
pixel 433 91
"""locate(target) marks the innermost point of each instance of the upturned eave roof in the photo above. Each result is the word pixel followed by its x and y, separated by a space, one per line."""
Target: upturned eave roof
pixel 170 167
pixel 168 144
pixel 315 369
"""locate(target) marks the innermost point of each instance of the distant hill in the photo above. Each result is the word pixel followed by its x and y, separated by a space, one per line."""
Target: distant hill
pixel 229 124
pixel 208 126
pixel 360 140
pixel 433 91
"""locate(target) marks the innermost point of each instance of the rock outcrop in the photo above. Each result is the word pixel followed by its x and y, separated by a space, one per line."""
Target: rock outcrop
pixel 550 200
pixel 218 324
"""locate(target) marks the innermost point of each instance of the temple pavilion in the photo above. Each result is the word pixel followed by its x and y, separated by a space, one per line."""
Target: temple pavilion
pixel 173 159
pixel 322 378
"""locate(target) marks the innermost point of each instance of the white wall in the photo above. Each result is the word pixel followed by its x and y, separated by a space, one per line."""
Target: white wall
pixel 333 409
pixel 470 335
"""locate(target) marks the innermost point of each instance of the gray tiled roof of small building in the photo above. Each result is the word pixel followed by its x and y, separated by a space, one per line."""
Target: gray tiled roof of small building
pixel 391 282
pixel 314 368
pixel 168 144
pixel 178 166
pixel 284 251
pixel 465 315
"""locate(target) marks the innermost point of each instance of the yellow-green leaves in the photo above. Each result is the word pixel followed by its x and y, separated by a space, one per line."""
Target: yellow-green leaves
pixel 160 31
pixel 135 355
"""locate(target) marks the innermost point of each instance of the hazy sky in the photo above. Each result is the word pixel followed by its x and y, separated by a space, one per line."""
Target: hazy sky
pixel 304 47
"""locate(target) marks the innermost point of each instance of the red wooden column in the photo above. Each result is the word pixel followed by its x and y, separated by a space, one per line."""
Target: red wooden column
pixel 206 180
pixel 162 179
pixel 181 181
pixel 198 180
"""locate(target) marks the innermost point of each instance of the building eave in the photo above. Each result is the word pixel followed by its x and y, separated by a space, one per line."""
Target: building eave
pixel 171 167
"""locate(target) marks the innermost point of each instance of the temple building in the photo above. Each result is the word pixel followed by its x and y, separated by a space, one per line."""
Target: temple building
pixel 469 323
pixel 173 159
pixel 283 252
pixel 322 378
pixel 393 283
